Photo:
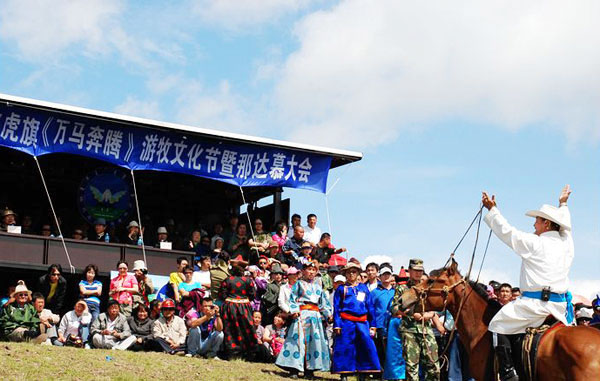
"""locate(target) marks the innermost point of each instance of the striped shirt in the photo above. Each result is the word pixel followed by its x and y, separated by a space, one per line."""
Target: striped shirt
pixel 95 285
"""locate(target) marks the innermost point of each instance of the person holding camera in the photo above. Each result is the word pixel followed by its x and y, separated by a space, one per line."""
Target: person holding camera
pixel 205 330
pixel 238 245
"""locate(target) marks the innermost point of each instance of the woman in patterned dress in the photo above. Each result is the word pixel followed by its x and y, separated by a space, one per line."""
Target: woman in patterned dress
pixel 240 336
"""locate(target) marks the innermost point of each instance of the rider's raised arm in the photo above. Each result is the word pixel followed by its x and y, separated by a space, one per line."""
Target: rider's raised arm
pixel 522 243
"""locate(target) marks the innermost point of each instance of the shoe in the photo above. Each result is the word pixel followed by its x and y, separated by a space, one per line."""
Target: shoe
pixel 188 355
pixel 217 358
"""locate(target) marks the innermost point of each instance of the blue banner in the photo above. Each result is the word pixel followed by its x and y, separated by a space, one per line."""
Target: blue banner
pixel 39 132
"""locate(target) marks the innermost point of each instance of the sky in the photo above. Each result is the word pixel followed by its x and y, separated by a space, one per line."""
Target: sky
pixel 444 99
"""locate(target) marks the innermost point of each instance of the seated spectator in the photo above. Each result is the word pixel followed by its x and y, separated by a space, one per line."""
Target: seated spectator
pixel 305 252
pixel 274 335
pixel 19 320
pixel 259 243
pixel 74 327
pixel 134 237
pixel 48 320
pixel 8 298
pixel 292 247
pixel 155 309
pixel 141 325
pixel 122 288
pixel 188 284
pixel 27 225
pixel 324 249
pixel 238 245
pixel 206 330
pixel 311 232
pixel 54 287
pixel 217 248
pixel 169 330
pixel 110 330
pixel 145 286
pixel 258 327
pixel 194 241
pixel 274 252
pixel 78 234
pixel 504 293
pixel 161 236
pixel 202 275
pixel 90 290
pixel 46 231
pixel 9 218
pixel 281 235
pixel 101 235
pixel 230 231
pixel 217 232
pixel 177 277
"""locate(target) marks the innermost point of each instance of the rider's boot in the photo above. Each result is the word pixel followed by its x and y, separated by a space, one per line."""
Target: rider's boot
pixel 505 361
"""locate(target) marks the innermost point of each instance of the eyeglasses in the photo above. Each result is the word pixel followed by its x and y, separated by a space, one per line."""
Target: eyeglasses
pixel 262 263
pixel 22 294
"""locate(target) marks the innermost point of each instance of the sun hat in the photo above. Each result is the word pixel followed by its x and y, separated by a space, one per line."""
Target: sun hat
pixel 551 213
pixel 351 265
pixel 139 265
pixel 21 287
pixel 339 278
pixel 162 230
pixel 133 224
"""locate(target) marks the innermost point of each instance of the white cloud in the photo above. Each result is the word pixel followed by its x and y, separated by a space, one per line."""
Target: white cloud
pixel 234 15
pixel 139 108
pixel 585 287
pixel 367 70
pixel 43 29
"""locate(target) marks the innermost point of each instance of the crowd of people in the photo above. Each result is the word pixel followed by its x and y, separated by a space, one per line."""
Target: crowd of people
pixel 266 296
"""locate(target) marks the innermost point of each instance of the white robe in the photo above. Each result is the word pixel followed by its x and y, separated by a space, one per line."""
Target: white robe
pixel 546 260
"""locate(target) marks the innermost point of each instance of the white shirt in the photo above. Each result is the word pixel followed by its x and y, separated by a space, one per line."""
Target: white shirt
pixel 546 259
pixel 285 291
pixel 312 235
pixel 202 277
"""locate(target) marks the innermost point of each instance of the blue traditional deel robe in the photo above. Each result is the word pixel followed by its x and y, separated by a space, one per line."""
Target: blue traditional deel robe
pixel 305 346
pixel 395 366
pixel 354 349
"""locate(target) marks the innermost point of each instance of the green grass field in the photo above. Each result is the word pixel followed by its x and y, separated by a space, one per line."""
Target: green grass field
pixel 23 361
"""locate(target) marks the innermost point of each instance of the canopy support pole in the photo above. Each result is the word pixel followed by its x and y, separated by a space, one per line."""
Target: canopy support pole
pixel 60 234
pixel 137 207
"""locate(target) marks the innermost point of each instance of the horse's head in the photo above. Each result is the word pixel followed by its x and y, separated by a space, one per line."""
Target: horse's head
pixel 436 293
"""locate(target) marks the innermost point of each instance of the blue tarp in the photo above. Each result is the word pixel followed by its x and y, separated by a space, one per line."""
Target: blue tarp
pixel 39 132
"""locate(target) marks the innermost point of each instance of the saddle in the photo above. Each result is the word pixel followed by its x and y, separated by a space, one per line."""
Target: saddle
pixel 526 348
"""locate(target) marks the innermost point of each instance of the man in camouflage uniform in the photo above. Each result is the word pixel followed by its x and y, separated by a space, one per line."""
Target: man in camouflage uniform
pixel 419 345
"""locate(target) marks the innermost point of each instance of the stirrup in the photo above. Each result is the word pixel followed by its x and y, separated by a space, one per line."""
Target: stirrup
pixel 509 375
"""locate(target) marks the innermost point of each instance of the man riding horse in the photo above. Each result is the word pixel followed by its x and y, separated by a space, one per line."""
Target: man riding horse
pixel 546 257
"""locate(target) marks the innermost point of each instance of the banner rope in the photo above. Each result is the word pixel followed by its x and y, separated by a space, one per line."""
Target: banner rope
pixel 137 207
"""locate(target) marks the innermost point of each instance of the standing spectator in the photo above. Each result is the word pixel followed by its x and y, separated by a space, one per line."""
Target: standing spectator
pixel 145 286
pixel 516 293
pixel 238 245
pixel 381 298
pixel 351 327
pixel 74 326
pixel 206 330
pixel 48 320
pixel 202 275
pixel 177 277
pixel 505 293
pixel 19 320
pixel 259 243
pixel 218 273
pixel 285 290
pixel 372 271
pixel 141 325
pixel 270 307
pixel 240 336
pixel 169 330
pixel 293 246
pixel 325 249
pixel 311 232
pixel 90 290
pixel 305 348
pixel 123 287
pixel 110 330
pixel 54 287
pixel 133 235
pixel 296 221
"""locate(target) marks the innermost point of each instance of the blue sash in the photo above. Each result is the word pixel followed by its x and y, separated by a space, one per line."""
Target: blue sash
pixel 558 298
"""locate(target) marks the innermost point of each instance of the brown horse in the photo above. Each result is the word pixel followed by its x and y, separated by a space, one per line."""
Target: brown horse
pixel 567 353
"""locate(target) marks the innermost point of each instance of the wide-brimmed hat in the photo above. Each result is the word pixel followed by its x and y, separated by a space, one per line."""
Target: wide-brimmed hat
pixel 139 265
pixel 8 212
pixel 351 265
pixel 21 287
pixel 276 269
pixel 133 224
pixel 162 230
pixel 551 213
